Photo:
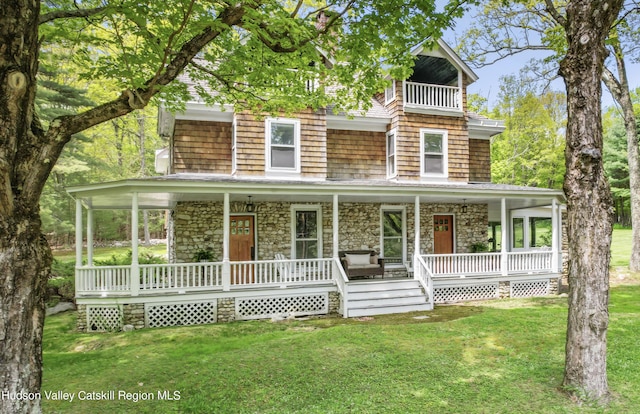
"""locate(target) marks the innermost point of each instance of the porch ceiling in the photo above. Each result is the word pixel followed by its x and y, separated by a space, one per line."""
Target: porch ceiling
pixel 164 192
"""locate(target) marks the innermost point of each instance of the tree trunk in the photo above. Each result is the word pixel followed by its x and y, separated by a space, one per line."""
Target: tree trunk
pixel 619 89
pixel 589 202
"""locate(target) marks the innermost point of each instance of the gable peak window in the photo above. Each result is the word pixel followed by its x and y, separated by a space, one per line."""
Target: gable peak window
pixel 433 153
pixel 282 138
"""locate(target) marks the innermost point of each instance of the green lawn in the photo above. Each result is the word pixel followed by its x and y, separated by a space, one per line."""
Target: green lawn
pixel 493 357
pixel 621 247
pixel 489 357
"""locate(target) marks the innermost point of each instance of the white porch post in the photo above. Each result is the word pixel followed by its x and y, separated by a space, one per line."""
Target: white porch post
pixel 90 237
pixel 226 262
pixel 416 241
pixel 554 237
pixel 504 230
pixel 336 217
pixel 135 266
pixel 78 234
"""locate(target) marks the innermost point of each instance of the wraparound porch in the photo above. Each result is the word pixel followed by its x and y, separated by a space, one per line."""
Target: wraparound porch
pixel 346 216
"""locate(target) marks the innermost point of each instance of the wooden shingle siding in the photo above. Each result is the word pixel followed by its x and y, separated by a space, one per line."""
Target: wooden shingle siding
pixel 479 160
pixel 408 145
pixel 250 143
pixel 356 154
pixel 202 147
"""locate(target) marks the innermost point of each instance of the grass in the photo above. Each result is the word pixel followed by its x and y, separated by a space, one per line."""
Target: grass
pixel 488 357
pixel 104 253
pixel 621 247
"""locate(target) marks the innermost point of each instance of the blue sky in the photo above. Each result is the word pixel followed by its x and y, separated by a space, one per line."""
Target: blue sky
pixel 488 83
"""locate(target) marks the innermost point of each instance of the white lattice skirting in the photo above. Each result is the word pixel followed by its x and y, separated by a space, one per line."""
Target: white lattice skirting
pixel 529 289
pixel 266 307
pixel 466 292
pixel 176 314
pixel 104 318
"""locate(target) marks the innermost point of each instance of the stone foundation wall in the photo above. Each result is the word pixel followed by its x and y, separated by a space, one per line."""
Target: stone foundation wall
pixel 226 309
pixel 81 318
pixel 133 314
pixel 198 225
pixel 334 303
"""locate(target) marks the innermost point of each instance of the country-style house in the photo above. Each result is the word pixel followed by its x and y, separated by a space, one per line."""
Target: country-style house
pixel 280 207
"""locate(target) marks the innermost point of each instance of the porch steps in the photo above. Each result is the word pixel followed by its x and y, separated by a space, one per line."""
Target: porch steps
pixel 383 297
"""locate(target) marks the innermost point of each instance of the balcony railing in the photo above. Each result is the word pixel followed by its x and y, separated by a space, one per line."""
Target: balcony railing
pixel 424 95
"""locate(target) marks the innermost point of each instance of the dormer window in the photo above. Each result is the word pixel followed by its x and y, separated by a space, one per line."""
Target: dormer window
pixel 433 153
pixel 282 145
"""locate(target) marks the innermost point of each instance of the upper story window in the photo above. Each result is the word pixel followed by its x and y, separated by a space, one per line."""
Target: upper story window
pixel 390 93
pixel 391 154
pixel 234 149
pixel 433 153
pixel 282 145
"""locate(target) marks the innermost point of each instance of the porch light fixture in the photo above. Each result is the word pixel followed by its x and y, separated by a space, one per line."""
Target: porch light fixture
pixel 464 205
pixel 250 206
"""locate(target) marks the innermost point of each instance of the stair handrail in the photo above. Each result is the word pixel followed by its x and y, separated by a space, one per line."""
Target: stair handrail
pixel 423 274
pixel 341 281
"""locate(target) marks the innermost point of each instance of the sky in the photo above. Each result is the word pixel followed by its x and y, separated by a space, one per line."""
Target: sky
pixel 488 84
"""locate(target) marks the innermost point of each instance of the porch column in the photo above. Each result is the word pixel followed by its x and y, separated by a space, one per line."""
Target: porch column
pixel 554 237
pixel 504 231
pixel 90 237
pixel 416 214
pixel 78 233
pixel 226 262
pixel 336 217
pixel 78 283
pixel 135 266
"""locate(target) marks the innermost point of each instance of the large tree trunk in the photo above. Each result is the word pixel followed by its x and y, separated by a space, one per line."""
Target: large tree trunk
pixel 589 202
pixel 25 257
pixel 619 88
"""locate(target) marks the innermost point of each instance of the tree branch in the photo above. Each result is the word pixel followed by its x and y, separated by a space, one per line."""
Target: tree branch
pixel 62 128
pixel 560 19
pixel 69 14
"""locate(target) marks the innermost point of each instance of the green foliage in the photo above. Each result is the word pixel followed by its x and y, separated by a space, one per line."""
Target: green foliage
pixel 531 149
pixel 144 257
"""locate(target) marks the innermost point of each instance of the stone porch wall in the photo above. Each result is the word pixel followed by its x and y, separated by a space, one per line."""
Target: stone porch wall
pixel 198 225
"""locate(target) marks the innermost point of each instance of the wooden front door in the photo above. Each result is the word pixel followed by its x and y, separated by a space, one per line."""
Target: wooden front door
pixel 443 234
pixel 241 248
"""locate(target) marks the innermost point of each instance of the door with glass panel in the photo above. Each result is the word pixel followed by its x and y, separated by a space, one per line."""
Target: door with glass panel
pixel 242 248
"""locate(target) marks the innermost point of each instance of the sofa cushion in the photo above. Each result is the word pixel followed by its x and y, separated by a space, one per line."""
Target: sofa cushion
pixel 357 259
pixel 367 266
pixel 373 259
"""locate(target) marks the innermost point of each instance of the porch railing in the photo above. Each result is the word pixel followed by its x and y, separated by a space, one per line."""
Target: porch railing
pixel 94 279
pixel 432 96
pixel 183 277
pixel 472 264
pixel 423 274
pixel 180 276
pixel 281 272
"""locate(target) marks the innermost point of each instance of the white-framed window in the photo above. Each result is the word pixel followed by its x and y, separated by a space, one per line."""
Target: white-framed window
pixel 531 229
pixel 391 154
pixel 282 139
pixel 433 153
pixel 306 231
pixel 390 93
pixel 234 151
pixel 393 240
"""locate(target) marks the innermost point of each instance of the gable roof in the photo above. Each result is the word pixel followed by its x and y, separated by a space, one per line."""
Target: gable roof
pixel 447 53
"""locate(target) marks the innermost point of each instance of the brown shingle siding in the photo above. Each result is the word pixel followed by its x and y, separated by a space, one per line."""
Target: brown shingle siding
pixel 356 154
pixel 202 147
pixel 479 160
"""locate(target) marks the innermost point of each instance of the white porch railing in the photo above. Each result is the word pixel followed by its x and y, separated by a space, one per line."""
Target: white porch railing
pixel 524 262
pixel 180 276
pixel 281 272
pixel 473 264
pixel 423 274
pixel 105 279
pixel 432 96
pixel 183 277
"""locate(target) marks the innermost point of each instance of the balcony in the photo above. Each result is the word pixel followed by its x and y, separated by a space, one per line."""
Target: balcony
pixel 424 96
